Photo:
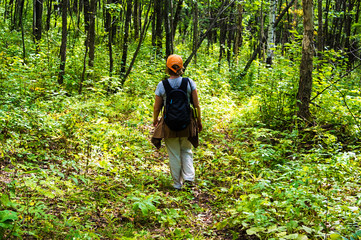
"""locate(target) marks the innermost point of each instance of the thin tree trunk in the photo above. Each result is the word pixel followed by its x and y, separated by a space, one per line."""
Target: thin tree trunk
pixel 48 14
pixel 91 32
pixel 320 27
pixel 22 31
pixel 239 28
pixel 195 28
pixel 222 40
pixel 306 67
pixel 204 35
pixel 158 26
pixel 136 17
pixel 64 34
pixel 348 24
pixel 86 14
pixel 37 19
pixel 168 33
pixel 125 40
pixel 176 17
pixel 142 36
pixel 262 47
pixel 325 31
pixel 84 70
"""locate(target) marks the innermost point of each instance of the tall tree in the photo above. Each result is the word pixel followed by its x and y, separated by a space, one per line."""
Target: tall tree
pixel 49 4
pixel 195 29
pixel 306 67
pixel 320 27
pixel 91 32
pixel 271 31
pixel 176 17
pixel 64 35
pixel 123 63
pixel 136 18
pixel 158 18
pixel 167 22
pixel 37 19
pixel 86 6
pixel 239 28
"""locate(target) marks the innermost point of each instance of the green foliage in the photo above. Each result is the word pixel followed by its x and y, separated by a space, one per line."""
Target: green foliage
pixel 82 166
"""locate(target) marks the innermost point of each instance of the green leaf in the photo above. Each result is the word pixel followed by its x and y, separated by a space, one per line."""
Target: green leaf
pixel 254 230
pixel 335 236
pixel 7 215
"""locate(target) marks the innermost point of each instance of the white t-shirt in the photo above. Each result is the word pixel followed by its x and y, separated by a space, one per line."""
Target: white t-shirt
pixel 175 83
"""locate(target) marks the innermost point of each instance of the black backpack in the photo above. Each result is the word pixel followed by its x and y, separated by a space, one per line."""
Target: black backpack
pixel 177 111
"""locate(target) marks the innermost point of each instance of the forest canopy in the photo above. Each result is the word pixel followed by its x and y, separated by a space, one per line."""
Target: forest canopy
pixel 279 85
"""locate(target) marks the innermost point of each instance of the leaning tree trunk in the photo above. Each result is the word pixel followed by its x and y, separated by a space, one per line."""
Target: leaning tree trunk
pixel 306 67
pixel 64 34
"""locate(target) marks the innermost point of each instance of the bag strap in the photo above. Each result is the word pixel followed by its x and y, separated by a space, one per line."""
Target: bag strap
pixel 183 87
pixel 167 86
pixel 187 81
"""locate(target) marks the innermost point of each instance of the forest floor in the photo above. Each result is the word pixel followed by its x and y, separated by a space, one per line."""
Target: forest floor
pixel 77 168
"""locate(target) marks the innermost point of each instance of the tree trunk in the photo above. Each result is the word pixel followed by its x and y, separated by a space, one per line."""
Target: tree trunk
pixel 176 17
pixel 168 33
pixel 348 24
pixel 195 28
pixel 158 25
pixel 109 30
pixel 22 30
pixel 271 31
pixel 91 32
pixel 222 40
pixel 320 28
pixel 239 28
pixel 125 40
pixel 48 14
pixel 325 29
pixel 306 67
pixel 64 34
pixel 86 14
pixel 136 18
pixel 18 14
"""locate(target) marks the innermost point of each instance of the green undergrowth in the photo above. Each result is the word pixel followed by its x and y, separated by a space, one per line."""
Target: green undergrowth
pixel 82 166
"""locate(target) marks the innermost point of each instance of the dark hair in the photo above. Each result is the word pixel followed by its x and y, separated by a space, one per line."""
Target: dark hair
pixel 179 72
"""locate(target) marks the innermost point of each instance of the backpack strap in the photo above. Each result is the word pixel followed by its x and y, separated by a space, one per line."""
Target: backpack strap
pixel 184 85
pixel 167 86
pixel 187 81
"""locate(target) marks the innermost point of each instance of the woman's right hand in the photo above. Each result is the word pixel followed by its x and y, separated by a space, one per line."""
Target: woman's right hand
pixel 200 126
pixel 155 122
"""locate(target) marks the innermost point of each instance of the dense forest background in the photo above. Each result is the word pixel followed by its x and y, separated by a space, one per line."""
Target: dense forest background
pixel 279 85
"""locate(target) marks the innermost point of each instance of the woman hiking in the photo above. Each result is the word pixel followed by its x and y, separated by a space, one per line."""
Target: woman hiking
pixel 178 135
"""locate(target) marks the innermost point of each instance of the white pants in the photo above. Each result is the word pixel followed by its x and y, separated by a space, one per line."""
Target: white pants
pixel 180 160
